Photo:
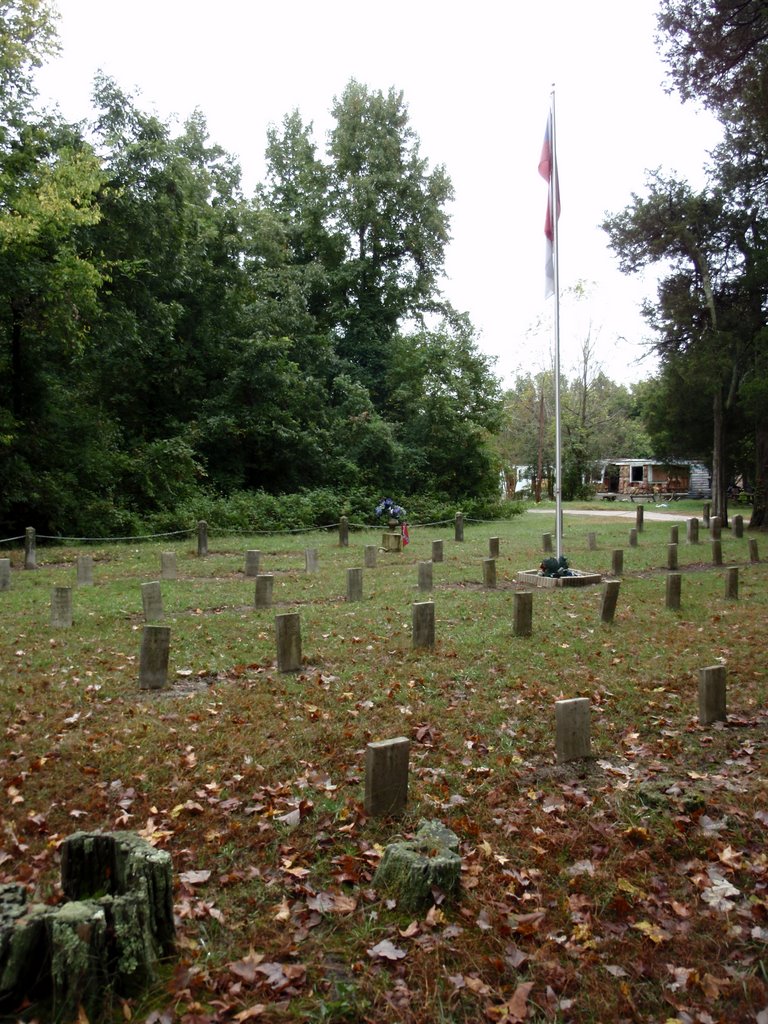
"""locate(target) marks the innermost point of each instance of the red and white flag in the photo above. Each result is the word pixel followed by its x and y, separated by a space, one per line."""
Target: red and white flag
pixel 404 531
pixel 548 171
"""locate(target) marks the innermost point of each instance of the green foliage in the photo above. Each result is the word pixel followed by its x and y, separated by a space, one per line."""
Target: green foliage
pixel 555 567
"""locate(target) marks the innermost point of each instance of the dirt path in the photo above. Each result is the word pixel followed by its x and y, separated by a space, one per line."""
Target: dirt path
pixel 611 513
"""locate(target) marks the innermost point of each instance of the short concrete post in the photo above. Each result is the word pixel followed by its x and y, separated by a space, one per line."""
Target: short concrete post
pixel 168 568
pixel 712 702
pixel 30 548
pixel 717 550
pixel 152 601
pixel 61 607
pixel 671 556
pixel 705 515
pixel 609 599
pixel 263 593
pixel 288 631
pixel 310 560
pixel 753 552
pixel 458 526
pixel 546 543
pixel 252 562
pixel 437 551
pixel 522 613
pixel 489 573
pixel 343 532
pixel 592 541
pixel 674 535
pixel 386 777
pixel 572 729
pixel 354 584
pixel 5 574
pixel 425 576
pixel 674 584
pixel 732 582
pixel 692 532
pixel 153 661
pixel 423 624
pixel 639 513
pixel 493 547
pixel 617 562
pixel 84 570
pixel 202 538
pixel 633 538
pixel 369 556
pixel 738 526
pixel 715 527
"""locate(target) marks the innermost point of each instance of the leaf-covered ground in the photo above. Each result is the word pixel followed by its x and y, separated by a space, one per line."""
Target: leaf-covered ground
pixel 629 887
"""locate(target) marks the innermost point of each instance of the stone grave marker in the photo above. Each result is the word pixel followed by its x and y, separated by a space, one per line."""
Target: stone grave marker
pixel 572 729
pixel 712 697
pixel 343 532
pixel 153 659
pixel 738 526
pixel 370 556
pixel 5 574
pixel 425 576
pixel 288 632
pixel 592 541
pixel 311 564
pixel 617 562
pixel 639 514
pixel 489 573
pixel 437 551
pixel 152 601
pixel 493 547
pixel 633 538
pixel 252 562
pixel 546 543
pixel 263 592
pixel 674 535
pixel 522 613
pixel 715 528
pixel 609 599
pixel 354 584
pixel 61 607
pixel 754 555
pixel 692 532
pixel 168 569
pixel 423 624
pixel 732 583
pixel 672 556
pixel 674 585
pixel 717 550
pixel 386 777
pixel 84 570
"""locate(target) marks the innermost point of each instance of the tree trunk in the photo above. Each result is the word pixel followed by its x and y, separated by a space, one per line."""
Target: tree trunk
pixel 719 493
pixel 759 520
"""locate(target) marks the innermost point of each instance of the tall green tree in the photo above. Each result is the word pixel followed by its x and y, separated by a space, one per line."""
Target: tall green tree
pixel 49 180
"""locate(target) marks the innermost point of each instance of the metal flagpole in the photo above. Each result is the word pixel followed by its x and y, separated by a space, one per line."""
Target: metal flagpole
pixel 553 196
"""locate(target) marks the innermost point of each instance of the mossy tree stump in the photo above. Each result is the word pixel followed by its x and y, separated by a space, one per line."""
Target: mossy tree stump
pixel 411 868
pixel 108 940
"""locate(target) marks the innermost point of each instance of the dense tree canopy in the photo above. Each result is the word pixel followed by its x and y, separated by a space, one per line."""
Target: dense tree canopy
pixel 162 333
pixel 710 310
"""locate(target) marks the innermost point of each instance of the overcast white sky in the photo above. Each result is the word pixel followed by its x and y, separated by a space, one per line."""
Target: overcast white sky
pixel 477 80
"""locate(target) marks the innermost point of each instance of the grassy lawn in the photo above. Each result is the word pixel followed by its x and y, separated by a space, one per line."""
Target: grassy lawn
pixel 629 887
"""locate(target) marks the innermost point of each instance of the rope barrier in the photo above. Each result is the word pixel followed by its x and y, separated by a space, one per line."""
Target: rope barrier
pixel 238 532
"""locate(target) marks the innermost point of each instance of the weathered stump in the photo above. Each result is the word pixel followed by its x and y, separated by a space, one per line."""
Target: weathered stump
pixel 412 868
pixel 107 941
